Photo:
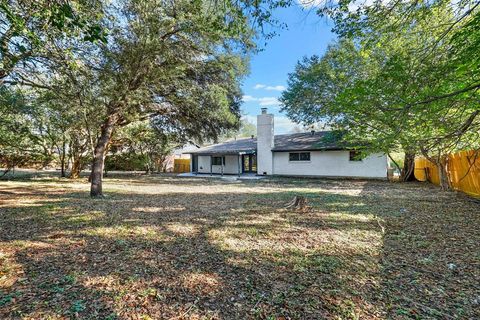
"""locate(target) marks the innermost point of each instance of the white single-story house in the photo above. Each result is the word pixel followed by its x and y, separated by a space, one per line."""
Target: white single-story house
pixel 298 154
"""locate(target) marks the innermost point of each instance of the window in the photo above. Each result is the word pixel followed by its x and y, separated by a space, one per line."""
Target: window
pixel 356 155
pixel 217 161
pixel 299 156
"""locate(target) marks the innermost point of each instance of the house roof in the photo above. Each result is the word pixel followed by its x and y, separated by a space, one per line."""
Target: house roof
pixel 320 140
pixel 187 148
pixel 246 145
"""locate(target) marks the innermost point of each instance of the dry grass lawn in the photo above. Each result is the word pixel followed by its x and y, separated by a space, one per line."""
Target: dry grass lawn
pixel 162 247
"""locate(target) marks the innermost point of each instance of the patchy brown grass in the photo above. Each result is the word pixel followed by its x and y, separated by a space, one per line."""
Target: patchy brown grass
pixel 178 248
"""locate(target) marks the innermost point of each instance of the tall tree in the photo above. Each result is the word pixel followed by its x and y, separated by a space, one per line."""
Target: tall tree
pixel 174 60
pixel 404 80
pixel 178 63
pixel 333 89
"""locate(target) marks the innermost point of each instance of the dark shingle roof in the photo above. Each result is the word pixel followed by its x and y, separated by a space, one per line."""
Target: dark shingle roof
pixel 247 145
pixel 322 140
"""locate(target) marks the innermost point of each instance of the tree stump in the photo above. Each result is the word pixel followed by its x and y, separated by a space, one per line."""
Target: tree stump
pixel 298 203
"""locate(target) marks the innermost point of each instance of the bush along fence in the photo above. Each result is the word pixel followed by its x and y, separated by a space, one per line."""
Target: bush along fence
pixel 181 165
pixel 463 170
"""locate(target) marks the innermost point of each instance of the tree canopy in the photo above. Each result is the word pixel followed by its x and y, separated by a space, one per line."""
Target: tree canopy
pixel 27 26
pixel 397 79
pixel 176 64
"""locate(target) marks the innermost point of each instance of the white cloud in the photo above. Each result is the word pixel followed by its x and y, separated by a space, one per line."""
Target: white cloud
pixel 247 98
pixel 276 88
pixel 264 101
pixel 269 88
pixel 268 101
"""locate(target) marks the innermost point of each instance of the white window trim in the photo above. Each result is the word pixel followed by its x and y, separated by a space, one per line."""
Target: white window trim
pixel 301 161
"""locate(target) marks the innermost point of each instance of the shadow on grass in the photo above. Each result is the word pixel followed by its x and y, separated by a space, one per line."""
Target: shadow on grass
pixel 219 255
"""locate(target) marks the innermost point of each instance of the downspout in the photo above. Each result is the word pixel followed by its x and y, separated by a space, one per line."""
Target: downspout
pixel 211 166
pixel 273 162
pixel 238 163
pixel 222 158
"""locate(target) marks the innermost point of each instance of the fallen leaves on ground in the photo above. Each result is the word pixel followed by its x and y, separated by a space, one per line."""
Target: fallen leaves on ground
pixel 161 247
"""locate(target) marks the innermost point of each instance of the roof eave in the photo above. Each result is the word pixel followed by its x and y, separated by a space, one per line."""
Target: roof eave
pixel 234 152
pixel 310 149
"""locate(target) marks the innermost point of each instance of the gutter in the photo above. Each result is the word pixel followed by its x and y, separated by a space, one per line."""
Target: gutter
pixel 302 150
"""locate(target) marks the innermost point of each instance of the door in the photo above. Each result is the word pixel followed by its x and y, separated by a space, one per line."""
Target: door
pixel 194 163
pixel 249 163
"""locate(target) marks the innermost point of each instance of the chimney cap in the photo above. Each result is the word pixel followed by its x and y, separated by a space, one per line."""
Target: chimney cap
pixel 312 132
pixel 264 110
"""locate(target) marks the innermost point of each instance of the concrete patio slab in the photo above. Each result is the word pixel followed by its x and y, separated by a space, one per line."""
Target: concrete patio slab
pixel 219 176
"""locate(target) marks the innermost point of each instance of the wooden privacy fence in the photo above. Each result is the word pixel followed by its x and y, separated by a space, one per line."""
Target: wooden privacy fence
pixel 463 169
pixel 181 165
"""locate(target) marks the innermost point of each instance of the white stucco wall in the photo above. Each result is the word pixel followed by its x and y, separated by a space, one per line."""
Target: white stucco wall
pixel 332 164
pixel 264 143
pixel 231 165
pixel 203 164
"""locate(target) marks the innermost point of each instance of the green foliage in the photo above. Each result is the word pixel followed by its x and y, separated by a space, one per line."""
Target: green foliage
pixel 402 77
pixel 26 27
pixel 246 130
pixel 127 161
pixel 93 67
pixel 41 129
pixel 18 144
pixel 137 147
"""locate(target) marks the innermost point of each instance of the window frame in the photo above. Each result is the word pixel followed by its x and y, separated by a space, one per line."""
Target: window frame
pixel 222 161
pixel 299 156
pixel 355 156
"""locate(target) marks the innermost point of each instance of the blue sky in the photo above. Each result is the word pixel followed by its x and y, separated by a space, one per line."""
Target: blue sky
pixel 307 34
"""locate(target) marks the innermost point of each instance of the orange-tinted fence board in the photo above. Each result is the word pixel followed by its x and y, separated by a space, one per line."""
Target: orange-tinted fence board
pixel 181 165
pixel 426 171
pixel 463 168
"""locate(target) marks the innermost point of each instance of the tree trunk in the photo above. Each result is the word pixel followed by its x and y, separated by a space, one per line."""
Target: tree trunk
pixel 408 170
pixel 76 156
pixel 150 167
pixel 62 170
pixel 62 158
pixel 299 203
pixel 46 160
pixel 96 175
pixel 76 168
pixel 443 175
